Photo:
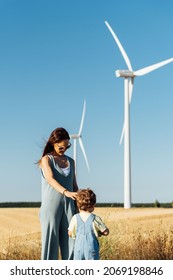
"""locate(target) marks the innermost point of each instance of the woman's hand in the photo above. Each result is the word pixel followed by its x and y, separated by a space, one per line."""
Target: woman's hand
pixel 71 195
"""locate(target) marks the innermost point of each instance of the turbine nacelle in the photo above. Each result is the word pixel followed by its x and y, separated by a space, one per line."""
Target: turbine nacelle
pixel 124 73
pixel 75 136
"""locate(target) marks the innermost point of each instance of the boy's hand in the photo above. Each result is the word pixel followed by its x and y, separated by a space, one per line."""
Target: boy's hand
pixel 105 232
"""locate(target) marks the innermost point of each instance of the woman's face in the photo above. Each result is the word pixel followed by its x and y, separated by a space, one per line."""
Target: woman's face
pixel 61 147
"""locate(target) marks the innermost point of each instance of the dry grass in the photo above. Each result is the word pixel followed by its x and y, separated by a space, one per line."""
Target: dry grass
pixel 135 234
pixel 138 243
pixel 22 248
pixel 138 234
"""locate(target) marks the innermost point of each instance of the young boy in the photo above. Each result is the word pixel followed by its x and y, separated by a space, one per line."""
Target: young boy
pixel 85 227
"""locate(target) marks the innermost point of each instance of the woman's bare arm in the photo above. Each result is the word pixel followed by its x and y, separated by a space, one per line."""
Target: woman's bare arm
pixel 48 174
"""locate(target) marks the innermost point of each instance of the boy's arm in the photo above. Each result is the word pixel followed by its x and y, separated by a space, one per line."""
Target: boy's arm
pixel 72 227
pixel 102 228
pixel 69 233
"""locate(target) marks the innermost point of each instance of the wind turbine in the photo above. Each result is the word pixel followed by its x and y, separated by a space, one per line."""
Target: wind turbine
pixel 129 76
pixel 78 137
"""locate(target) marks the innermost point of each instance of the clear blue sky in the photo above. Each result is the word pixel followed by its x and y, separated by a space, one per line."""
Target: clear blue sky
pixel 53 55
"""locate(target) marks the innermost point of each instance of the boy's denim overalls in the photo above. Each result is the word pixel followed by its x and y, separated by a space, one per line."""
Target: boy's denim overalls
pixel 86 243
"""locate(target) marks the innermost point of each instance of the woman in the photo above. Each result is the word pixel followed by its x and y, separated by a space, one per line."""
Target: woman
pixel 58 194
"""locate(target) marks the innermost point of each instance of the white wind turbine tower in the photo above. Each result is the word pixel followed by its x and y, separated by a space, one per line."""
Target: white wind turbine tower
pixel 129 76
pixel 78 137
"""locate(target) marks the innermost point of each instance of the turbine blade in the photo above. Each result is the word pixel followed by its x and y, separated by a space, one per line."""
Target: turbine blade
pixel 153 67
pixel 122 134
pixel 120 46
pixel 82 119
pixel 131 83
pixel 83 150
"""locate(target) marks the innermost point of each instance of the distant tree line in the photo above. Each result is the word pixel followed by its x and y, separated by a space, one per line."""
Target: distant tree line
pixel 20 204
pixel 137 205
pixel 38 204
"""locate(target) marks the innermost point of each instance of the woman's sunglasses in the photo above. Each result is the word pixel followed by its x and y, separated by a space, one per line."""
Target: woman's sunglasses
pixel 63 147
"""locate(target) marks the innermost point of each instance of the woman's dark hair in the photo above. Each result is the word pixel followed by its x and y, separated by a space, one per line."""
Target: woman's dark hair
pixel 57 135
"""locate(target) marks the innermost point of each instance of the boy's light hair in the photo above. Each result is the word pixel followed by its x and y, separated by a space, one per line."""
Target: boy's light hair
pixel 85 199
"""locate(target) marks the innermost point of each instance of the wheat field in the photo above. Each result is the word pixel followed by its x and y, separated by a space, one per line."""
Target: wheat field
pixel 136 233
